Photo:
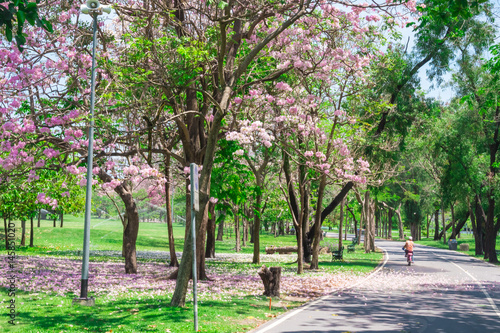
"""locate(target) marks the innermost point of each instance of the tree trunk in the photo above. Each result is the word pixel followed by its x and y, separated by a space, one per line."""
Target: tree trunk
pixel 389 224
pixel 271 278
pixel 442 220
pixel 256 227
pixel 460 224
pixel 55 219
pixel 237 247
pixel 210 248
pixel 436 225
pixel 6 233
pixel 244 236
pixel 300 246
pixel 400 222
pixel 170 214
pixel 369 218
pixel 490 231
pixel 346 220
pixel 23 232
pixel 428 224
pixel 220 232
pixel 453 231
pixel 475 231
pixel 316 229
pixel 355 221
pixel 131 229
pixel 341 222
pixel 32 231
pixel 201 234
pixel 130 236
pixel 61 215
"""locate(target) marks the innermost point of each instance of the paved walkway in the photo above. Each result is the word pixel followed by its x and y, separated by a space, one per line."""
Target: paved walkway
pixel 444 291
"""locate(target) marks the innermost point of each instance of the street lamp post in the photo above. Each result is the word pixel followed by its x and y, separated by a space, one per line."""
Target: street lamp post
pixel 94 9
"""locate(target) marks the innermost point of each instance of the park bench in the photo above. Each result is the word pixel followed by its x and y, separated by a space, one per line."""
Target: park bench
pixel 338 254
pixel 352 247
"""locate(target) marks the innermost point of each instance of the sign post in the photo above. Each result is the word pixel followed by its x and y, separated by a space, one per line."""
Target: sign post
pixel 195 206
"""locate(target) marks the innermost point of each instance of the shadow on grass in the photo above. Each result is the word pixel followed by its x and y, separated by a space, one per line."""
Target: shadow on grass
pixel 136 315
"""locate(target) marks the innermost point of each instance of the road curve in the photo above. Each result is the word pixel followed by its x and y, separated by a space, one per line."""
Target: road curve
pixel 445 291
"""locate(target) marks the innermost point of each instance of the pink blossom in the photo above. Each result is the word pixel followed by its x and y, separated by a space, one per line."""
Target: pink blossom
pixel 130 170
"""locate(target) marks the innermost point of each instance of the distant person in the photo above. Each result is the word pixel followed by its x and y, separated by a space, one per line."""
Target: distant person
pixel 408 247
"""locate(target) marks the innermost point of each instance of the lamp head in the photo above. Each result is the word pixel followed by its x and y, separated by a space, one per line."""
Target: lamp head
pixel 93 4
pixel 94 7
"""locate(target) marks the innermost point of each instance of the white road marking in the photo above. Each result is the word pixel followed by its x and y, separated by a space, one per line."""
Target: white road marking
pixel 307 306
pixel 483 289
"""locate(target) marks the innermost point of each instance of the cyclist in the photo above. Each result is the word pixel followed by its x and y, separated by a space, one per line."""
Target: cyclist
pixel 408 247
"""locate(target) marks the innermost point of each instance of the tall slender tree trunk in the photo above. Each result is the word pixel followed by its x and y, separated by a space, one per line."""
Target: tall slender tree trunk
pixel 444 225
pixel 317 223
pixel 210 248
pixel 245 230
pixel 428 224
pixel 300 247
pixel 341 222
pixel 6 233
pixel 61 215
pixel 200 246
pixel 389 224
pixel 490 231
pixel 453 231
pixel 400 222
pixel 23 232
pixel 220 232
pixel 436 225
pixel 237 230
pixel 174 262
pixel 256 226
pixel 369 218
pixel 346 220
pixel 355 221
pixel 55 219
pixel 475 231
pixel 32 231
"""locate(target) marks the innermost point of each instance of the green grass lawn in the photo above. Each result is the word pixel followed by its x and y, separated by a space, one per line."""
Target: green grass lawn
pixel 41 313
pixel 135 312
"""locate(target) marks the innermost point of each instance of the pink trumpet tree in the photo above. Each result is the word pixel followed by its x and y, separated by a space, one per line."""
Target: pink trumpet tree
pixel 199 57
pixel 44 107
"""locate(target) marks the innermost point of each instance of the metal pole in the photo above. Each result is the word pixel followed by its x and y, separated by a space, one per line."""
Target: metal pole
pixel 193 233
pixel 88 197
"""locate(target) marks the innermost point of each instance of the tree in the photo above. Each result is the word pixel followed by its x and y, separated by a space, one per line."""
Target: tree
pixel 20 11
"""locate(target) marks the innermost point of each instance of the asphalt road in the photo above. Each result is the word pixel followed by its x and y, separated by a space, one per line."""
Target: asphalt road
pixel 444 291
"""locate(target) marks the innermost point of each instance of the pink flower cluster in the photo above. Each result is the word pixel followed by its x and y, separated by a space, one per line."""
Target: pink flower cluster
pixel 45 199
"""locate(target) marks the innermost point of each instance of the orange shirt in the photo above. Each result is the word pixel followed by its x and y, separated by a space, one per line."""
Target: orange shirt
pixel 409 245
